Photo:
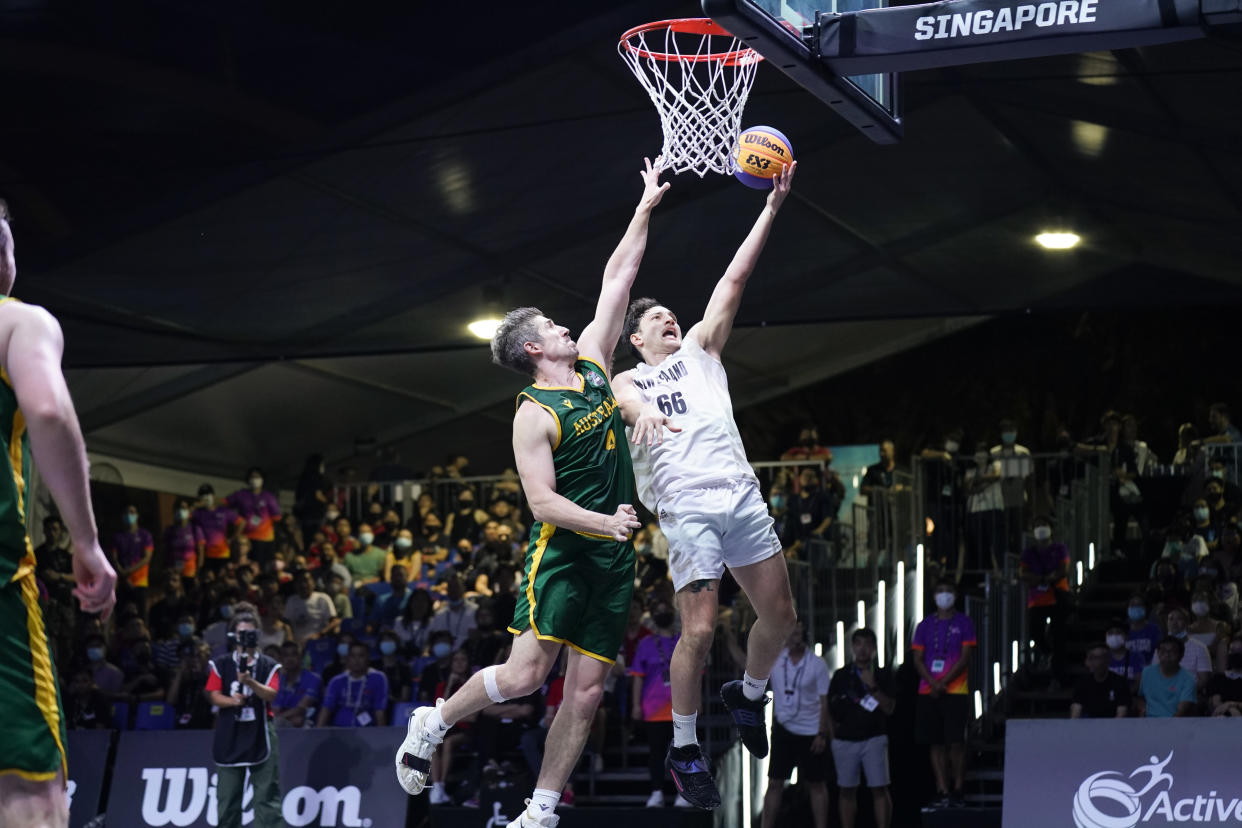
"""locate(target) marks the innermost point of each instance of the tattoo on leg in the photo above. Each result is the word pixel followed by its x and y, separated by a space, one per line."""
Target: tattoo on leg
pixel 699 586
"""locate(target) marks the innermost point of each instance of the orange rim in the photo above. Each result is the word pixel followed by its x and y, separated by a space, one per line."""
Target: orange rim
pixel 689 25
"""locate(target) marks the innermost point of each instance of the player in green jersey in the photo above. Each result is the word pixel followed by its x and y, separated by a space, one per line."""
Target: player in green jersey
pixel 569 443
pixel 37 415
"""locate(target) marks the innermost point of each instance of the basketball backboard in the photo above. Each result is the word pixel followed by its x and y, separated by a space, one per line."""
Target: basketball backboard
pixel 783 31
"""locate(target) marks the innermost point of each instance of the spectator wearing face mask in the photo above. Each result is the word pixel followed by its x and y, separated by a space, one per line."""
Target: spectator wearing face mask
pixel 457 615
pixel 813 511
pixel 941 649
pixel 312 614
pixel 366 563
pixel 301 690
pixel 1224 691
pixel 1143 634
pixel 219 525
pixel 1167 689
pixel 389 607
pixel 1016 478
pixel 651 699
pixel 260 511
pixel 54 567
pixel 185 690
pixel 357 697
pixel 215 634
pixel 174 603
pixel 86 706
pixel 131 552
pixel 185 546
pixel 412 627
pixel 467 520
pixel 1102 693
pixel 453 676
pixel 168 652
pixel 1045 571
pixel 1205 524
pixel 1232 492
pixel 403 553
pixel 441 648
pixel 1196 659
pixel 337 665
pixel 1207 630
pixel 142 678
pixel 106 675
pixel 486 640
pixel 1183 549
pixel 395 669
pixel 331 516
pixel 1122 660
pixel 942 467
pixel 985 511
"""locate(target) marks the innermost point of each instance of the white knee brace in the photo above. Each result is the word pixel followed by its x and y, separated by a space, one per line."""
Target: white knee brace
pixel 489 682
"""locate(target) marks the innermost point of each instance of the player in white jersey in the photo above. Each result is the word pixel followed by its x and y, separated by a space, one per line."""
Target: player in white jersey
pixel 699 484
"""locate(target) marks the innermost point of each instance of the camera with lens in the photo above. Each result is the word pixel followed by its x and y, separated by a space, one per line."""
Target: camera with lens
pixel 246 639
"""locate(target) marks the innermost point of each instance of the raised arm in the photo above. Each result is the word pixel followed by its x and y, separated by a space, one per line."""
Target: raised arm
pixel 599 338
pixel 534 435
pixel 31 357
pixel 713 331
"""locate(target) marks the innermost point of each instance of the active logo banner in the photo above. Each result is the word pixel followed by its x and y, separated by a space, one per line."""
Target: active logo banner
pixel 88 758
pixel 334 777
pixel 1122 773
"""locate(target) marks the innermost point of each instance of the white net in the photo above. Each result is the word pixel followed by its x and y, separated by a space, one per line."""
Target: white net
pixel 698 76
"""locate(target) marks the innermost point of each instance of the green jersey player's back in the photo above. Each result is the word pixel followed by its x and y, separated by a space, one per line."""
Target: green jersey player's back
pixel 15 551
pixel 590 471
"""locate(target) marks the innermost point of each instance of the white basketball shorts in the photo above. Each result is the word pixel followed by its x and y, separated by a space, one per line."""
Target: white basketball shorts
pixel 716 526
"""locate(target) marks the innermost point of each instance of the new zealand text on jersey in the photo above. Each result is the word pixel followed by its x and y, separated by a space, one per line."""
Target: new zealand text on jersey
pixel 671 374
pixel 596 416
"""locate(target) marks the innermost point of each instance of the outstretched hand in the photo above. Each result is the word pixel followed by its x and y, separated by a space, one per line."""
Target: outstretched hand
pixel 781 184
pixel 653 190
pixel 649 427
pixel 96 589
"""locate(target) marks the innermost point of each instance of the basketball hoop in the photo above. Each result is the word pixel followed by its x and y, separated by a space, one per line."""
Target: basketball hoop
pixel 698 76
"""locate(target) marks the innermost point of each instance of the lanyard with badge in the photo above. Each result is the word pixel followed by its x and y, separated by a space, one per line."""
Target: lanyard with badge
pixel 666 660
pixel 364 718
pixel 791 688
pixel 940 648
pixel 867 702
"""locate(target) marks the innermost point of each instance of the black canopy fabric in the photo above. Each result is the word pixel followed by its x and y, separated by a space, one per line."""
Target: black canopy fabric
pixel 264 228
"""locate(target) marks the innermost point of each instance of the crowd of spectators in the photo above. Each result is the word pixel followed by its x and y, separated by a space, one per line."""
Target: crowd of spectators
pixel 373 606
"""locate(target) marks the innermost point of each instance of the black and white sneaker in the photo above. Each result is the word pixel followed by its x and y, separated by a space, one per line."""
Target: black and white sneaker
pixel 692 774
pixel 747 717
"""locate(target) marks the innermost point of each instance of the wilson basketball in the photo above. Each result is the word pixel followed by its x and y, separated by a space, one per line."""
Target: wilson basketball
pixel 762 152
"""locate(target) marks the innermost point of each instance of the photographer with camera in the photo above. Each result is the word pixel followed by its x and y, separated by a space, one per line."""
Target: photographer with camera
pixel 243 683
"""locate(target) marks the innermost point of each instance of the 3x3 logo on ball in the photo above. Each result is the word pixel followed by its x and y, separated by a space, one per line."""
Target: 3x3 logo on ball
pixel 1108 800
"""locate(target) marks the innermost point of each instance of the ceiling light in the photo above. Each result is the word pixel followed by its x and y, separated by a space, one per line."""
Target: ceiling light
pixel 1060 240
pixel 484 328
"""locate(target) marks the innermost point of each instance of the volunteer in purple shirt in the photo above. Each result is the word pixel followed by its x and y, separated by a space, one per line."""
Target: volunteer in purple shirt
pixel 651 700
pixel 1045 571
pixel 219 524
pixel 357 697
pixel 942 647
pixel 131 555
pixel 184 544
pixel 260 511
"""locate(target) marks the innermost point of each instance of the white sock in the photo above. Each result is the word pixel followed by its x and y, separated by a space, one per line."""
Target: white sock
pixel 753 688
pixel 543 802
pixel 435 724
pixel 438 787
pixel 685 729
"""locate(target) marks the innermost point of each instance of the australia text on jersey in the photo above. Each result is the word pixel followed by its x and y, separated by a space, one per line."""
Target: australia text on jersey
pixel 593 418
pixel 671 374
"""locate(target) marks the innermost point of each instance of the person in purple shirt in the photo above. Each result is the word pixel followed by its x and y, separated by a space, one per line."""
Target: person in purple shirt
pixel 131 553
pixel 260 511
pixel 184 543
pixel 301 690
pixel 218 524
pixel 1121 659
pixel 1143 635
pixel 357 697
pixel 1045 572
